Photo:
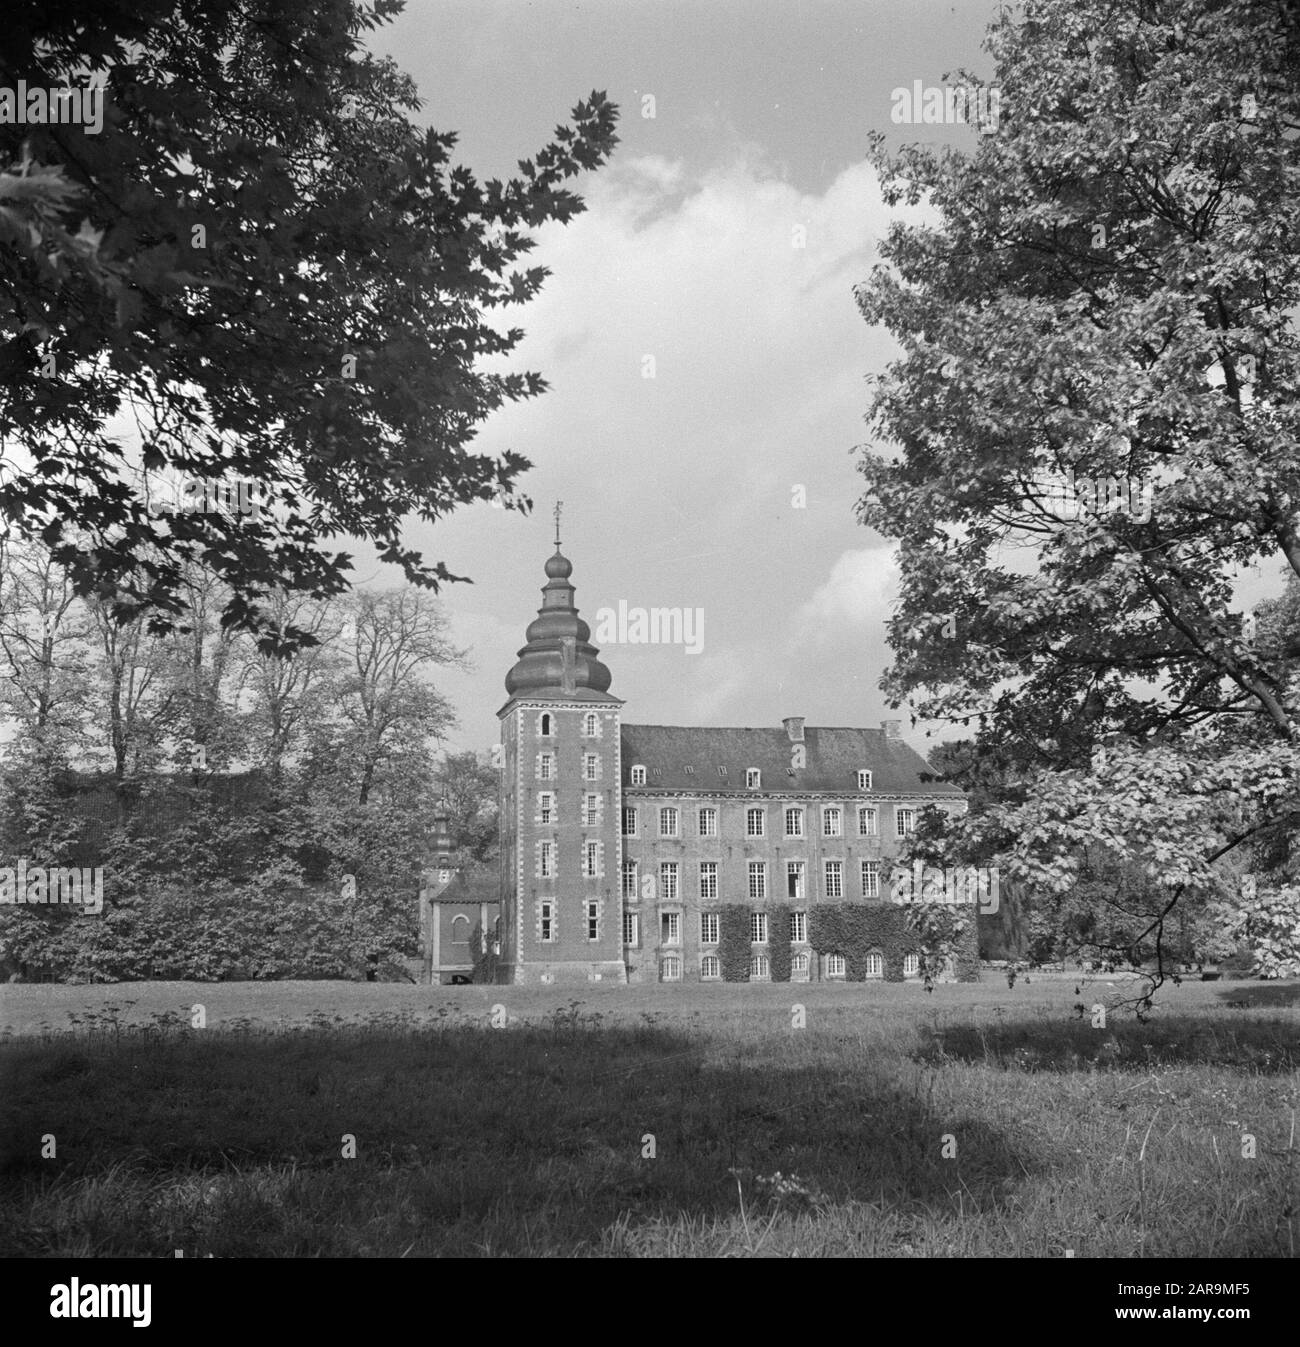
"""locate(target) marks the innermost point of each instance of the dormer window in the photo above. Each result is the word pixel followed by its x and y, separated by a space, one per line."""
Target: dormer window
pixel 544 724
pixel 722 771
pixel 638 776
pixel 753 778
pixel 864 780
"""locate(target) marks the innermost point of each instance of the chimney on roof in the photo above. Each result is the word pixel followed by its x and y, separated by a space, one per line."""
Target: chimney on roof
pixel 892 729
pixel 794 728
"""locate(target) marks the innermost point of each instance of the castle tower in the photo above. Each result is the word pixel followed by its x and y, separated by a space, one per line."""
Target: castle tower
pixel 560 802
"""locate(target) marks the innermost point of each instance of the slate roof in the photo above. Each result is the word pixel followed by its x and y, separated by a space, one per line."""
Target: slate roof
pixel 474 884
pixel 833 758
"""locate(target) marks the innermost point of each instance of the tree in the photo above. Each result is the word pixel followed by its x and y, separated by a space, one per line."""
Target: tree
pixel 284 281
pixel 1107 295
pixel 467 789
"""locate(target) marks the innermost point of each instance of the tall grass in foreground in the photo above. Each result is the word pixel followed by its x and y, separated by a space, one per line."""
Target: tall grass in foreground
pixel 732 1135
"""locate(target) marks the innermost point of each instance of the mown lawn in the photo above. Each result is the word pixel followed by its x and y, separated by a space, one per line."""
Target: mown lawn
pixel 649 1121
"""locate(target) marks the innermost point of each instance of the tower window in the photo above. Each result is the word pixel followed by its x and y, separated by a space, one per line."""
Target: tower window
pixel 546 921
pixel 590 725
pixel 591 866
pixel 638 776
pixel 545 807
pixel 591 767
pixel 544 725
pixel 593 921
pixel 545 766
pixel 591 810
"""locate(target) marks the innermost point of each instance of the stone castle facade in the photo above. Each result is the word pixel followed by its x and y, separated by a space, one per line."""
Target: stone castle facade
pixel 622 845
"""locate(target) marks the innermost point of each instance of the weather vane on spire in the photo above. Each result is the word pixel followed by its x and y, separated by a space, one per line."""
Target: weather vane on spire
pixel 558 505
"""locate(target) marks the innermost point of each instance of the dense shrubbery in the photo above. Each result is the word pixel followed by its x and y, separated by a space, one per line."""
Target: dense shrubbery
pixel 733 942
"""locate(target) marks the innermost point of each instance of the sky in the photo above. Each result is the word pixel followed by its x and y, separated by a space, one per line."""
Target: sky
pixel 722 242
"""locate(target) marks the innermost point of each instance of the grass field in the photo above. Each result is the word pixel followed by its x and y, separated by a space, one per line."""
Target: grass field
pixel 979 1120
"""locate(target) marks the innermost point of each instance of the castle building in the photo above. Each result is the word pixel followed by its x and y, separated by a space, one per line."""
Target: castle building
pixel 627 849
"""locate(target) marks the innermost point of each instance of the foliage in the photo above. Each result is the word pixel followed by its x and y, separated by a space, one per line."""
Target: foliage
pixel 1104 290
pixel 778 942
pixel 733 942
pixel 282 279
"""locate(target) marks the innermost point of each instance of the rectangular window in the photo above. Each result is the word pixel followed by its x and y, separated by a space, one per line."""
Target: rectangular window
pixel 832 821
pixel 867 826
pixel 668 881
pixel 799 965
pixel 668 822
pixel 546 859
pixel 629 879
pixel 864 780
pixel 835 965
pixel 871 879
pixel 758 879
pixel 708 822
pixel 875 965
pixel 591 766
pixel 794 822
pixel 629 821
pixel 670 969
pixel 545 766
pixel 753 778
pixel 593 922
pixel 758 928
pixel 710 968
pixel 799 927
pixel 671 928
pixel 759 968
pixel 709 927
pixel 835 879
pixel 753 823
pixel 631 929
pixel 794 879
pixel 591 811
pixel 905 820
pixel 545 807
pixel 708 879
pixel 548 921
pixel 591 867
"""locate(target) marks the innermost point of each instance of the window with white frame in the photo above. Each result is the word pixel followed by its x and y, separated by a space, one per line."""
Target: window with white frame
pixel 710 928
pixel 590 725
pixel 668 821
pixel 545 807
pixel 759 967
pixel 629 821
pixel 591 766
pixel 546 766
pixel 758 879
pixel 871 879
pixel 875 964
pixel 835 966
pixel 864 780
pixel 670 928
pixel 832 821
pixel 629 879
pixel 545 859
pixel 591 866
pixel 753 823
pixel 905 821
pixel 546 920
pixel 758 928
pixel 670 969
pixel 753 778
pixel 794 822
pixel 794 879
pixel 593 921
pixel 835 879
pixel 799 965
pixel 631 928
pixel 668 881
pixel 638 776
pixel 591 810
pixel 708 879
pixel 868 824
pixel 911 965
pixel 708 822
pixel 799 927
pixel 710 967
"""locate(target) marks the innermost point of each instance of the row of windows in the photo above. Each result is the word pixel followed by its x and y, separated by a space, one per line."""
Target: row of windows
pixel 669 819
pixel 669 886
pixel 670 966
pixel 590 812
pixel 546 923
pixel 670 929
pixel 547 770
pixel 546 724
pixel 548 859
pixel 753 776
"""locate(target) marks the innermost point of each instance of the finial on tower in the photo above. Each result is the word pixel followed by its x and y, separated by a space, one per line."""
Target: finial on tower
pixel 558 505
